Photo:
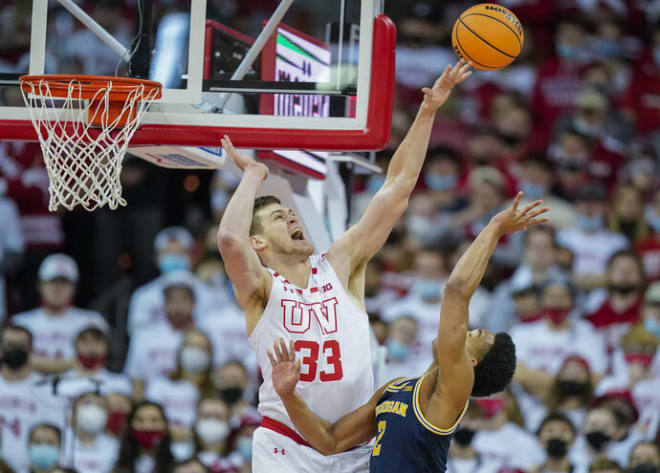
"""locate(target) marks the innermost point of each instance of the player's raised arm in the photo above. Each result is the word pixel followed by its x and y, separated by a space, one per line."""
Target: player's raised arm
pixel 353 429
pixel 451 351
pixel 241 261
pixel 367 236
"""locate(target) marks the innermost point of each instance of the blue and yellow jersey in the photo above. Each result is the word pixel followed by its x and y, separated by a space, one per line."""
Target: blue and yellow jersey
pixel 406 441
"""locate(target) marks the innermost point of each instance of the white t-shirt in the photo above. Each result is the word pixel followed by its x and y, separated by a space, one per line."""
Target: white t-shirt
pixel 540 348
pixel 24 404
pixel 507 447
pixel 178 398
pixel 99 456
pixel 152 353
pixel 591 251
pixel 461 465
pixel 11 239
pixel 54 335
pixel 229 325
pixel 147 306
pixel 72 384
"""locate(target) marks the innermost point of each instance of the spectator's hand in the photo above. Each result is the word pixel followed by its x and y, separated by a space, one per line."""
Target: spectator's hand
pixel 286 369
pixel 513 220
pixel 439 93
pixel 242 161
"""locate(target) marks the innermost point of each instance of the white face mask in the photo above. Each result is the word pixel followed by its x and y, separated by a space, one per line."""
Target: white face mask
pixel 182 450
pixel 91 418
pixel 194 359
pixel 212 431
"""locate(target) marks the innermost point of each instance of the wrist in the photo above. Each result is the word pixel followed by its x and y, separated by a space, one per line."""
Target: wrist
pixel 288 397
pixel 256 169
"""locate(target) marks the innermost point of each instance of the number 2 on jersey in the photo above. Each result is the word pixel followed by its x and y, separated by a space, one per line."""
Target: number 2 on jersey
pixel 332 355
pixel 381 430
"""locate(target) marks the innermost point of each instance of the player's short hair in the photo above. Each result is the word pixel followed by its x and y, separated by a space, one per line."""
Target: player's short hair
pixel 259 203
pixel 52 427
pixel 495 370
pixel 556 417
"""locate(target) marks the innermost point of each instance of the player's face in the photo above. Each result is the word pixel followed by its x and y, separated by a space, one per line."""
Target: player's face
pixel 57 293
pixel 478 342
pixel 282 231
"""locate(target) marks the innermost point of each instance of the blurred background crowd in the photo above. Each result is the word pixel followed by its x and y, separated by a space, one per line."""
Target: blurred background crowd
pixel 122 346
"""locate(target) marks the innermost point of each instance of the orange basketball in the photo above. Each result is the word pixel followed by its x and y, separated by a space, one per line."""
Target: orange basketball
pixel 488 35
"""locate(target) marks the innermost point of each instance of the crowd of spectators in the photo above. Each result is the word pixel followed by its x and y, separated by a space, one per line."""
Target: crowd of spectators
pixel 575 121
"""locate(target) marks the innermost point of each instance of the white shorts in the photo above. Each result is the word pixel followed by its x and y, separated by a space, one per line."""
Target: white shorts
pixel 273 452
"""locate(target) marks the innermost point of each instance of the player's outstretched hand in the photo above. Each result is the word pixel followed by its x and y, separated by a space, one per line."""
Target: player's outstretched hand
pixel 242 161
pixel 439 93
pixel 512 220
pixel 286 369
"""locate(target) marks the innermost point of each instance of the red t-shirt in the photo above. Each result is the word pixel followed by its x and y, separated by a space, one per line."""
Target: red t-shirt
pixel 649 252
pixel 643 95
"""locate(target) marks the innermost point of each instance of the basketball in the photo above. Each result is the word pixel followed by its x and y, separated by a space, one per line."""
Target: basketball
pixel 487 35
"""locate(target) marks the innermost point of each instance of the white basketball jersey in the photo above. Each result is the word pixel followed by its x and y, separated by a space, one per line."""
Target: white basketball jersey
pixel 331 338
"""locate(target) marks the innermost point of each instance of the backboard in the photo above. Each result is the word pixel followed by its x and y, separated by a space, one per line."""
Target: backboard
pixel 318 77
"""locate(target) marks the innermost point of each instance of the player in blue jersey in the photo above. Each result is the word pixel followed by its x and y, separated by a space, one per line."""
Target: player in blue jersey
pixel 414 420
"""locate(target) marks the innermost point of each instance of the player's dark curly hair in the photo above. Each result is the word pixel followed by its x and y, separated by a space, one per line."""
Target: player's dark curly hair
pixel 495 370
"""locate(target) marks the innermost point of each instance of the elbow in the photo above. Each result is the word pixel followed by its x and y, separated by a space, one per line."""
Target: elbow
pixel 226 241
pixel 456 287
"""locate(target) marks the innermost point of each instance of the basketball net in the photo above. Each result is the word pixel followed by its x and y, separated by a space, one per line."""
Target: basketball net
pixel 84 135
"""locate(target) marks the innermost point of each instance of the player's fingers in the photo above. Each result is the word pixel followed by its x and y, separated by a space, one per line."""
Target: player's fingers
pixel 536 213
pixel 297 365
pixel 538 221
pixel 284 351
pixel 426 90
pixel 276 349
pixel 270 357
pixel 516 201
pixel 464 76
pixel 292 351
pixel 529 207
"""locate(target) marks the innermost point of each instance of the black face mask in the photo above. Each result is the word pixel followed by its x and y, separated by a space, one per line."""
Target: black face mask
pixel 15 358
pixel 557 448
pixel 623 289
pixel 597 439
pixel 645 468
pixel 231 394
pixel 570 388
pixel 464 436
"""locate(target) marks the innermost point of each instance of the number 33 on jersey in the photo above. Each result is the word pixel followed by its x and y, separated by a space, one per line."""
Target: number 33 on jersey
pixel 331 338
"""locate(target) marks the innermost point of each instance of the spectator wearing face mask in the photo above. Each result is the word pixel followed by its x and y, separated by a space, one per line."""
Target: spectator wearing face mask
pixel 403 349
pixel 627 216
pixel 89 372
pixel 145 447
pixel 543 346
pixel 600 430
pixel 44 448
pixel 231 383
pixel 89 448
pixel 649 248
pixel 621 309
pixel 638 347
pixel 651 320
pixel 180 391
pixel 538 267
pixel 211 433
pixel 569 394
pixel 645 458
pixel 501 443
pixel 536 182
pixel 570 152
pixel 153 353
pixel 22 404
pixel 423 300
pixel 173 248
pixel 56 323
pixel 120 406
pixel 463 458
pixel 556 434
pixel 590 242
pixel 242 439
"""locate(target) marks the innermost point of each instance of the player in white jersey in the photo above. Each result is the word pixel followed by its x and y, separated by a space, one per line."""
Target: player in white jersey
pixel 316 301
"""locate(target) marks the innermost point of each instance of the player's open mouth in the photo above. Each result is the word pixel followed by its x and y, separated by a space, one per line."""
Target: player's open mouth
pixel 297 234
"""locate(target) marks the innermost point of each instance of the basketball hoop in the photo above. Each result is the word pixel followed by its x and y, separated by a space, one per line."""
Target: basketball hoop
pixel 84 143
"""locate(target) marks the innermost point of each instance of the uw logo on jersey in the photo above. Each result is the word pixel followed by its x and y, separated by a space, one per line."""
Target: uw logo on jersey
pixel 297 316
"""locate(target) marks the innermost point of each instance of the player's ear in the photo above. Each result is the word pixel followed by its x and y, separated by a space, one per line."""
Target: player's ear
pixel 257 242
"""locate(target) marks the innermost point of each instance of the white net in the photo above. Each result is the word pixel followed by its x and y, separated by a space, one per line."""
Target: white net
pixel 84 161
